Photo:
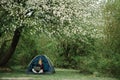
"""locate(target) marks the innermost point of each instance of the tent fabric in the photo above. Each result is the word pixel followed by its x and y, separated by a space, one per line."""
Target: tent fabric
pixel 47 65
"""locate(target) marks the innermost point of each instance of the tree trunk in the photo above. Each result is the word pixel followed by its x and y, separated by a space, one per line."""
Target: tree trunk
pixel 8 54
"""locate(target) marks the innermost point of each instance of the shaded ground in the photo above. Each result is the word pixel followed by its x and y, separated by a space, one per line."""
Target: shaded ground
pixel 61 74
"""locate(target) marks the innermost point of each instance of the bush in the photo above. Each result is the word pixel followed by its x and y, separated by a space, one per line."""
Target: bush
pixel 74 50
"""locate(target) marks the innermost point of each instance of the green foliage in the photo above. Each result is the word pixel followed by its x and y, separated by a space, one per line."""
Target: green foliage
pixel 29 47
pixel 74 50
pixel 112 35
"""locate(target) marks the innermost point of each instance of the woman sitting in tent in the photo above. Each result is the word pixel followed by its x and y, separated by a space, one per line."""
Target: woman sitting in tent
pixel 43 63
pixel 39 67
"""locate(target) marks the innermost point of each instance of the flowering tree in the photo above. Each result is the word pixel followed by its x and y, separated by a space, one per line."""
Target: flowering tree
pixel 54 17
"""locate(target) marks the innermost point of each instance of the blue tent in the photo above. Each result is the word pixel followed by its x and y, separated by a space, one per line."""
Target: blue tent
pixel 48 67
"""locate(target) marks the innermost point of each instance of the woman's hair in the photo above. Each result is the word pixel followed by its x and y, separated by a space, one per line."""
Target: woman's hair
pixel 40 61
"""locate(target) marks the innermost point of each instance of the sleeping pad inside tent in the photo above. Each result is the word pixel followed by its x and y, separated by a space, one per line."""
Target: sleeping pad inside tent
pixel 47 65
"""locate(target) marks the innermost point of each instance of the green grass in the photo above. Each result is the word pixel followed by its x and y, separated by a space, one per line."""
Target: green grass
pixel 61 74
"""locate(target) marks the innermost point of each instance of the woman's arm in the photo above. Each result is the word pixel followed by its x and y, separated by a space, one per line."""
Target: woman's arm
pixel 41 71
pixel 34 70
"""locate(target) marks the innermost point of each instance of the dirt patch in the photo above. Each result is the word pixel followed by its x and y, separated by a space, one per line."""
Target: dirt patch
pixel 5 69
